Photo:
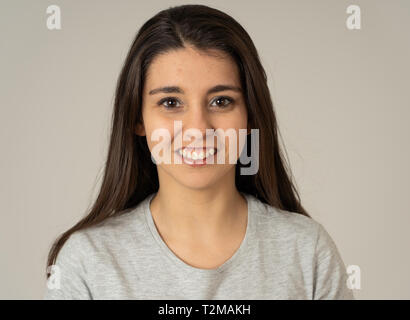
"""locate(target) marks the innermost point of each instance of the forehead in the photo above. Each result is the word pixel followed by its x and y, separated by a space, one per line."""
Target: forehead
pixel 190 66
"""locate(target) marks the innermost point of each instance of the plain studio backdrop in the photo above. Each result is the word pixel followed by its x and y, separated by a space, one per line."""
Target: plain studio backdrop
pixel 342 99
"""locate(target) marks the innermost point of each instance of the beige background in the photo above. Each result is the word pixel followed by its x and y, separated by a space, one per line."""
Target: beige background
pixel 341 96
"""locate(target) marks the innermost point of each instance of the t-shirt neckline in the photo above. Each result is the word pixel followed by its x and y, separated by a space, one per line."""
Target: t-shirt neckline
pixel 232 261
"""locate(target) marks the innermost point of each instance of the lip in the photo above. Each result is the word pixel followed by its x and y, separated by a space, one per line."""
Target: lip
pixel 199 148
pixel 198 162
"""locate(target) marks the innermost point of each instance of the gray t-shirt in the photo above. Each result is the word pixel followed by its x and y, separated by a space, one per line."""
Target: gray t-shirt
pixel 284 255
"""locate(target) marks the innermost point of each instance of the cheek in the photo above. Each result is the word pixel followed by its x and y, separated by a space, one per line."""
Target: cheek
pixel 156 129
pixel 236 119
pixel 236 122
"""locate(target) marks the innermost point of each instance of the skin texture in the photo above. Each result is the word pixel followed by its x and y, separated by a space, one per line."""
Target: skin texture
pixel 198 211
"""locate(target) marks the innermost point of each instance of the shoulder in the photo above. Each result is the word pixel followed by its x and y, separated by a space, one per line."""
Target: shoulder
pixel 293 232
pixel 307 243
pixel 107 236
pixel 284 225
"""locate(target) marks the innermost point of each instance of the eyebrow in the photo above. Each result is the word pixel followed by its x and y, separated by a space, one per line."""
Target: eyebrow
pixel 174 89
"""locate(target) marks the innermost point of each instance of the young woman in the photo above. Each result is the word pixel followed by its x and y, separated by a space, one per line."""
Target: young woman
pixel 197 228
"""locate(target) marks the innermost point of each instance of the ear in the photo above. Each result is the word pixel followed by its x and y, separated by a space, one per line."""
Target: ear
pixel 140 129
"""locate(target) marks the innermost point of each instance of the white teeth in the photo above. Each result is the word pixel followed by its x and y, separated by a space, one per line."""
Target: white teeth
pixel 194 155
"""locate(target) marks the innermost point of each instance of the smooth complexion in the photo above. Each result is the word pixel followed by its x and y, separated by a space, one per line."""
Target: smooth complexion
pixel 198 211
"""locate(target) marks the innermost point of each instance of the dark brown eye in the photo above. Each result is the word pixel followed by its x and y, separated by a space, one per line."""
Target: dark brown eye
pixel 169 102
pixel 222 101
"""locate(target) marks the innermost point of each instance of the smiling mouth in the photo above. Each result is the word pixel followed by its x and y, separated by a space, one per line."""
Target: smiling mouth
pixel 196 156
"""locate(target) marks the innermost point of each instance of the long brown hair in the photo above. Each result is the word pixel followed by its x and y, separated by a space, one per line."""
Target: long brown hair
pixel 129 174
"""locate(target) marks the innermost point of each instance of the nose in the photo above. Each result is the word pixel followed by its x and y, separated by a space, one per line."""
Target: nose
pixel 195 124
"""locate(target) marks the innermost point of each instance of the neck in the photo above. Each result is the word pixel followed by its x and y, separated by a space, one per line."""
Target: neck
pixel 199 214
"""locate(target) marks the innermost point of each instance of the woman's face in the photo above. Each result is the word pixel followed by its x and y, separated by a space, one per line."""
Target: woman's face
pixel 191 74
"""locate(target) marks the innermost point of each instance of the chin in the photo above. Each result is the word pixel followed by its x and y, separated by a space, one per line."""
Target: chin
pixel 196 183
